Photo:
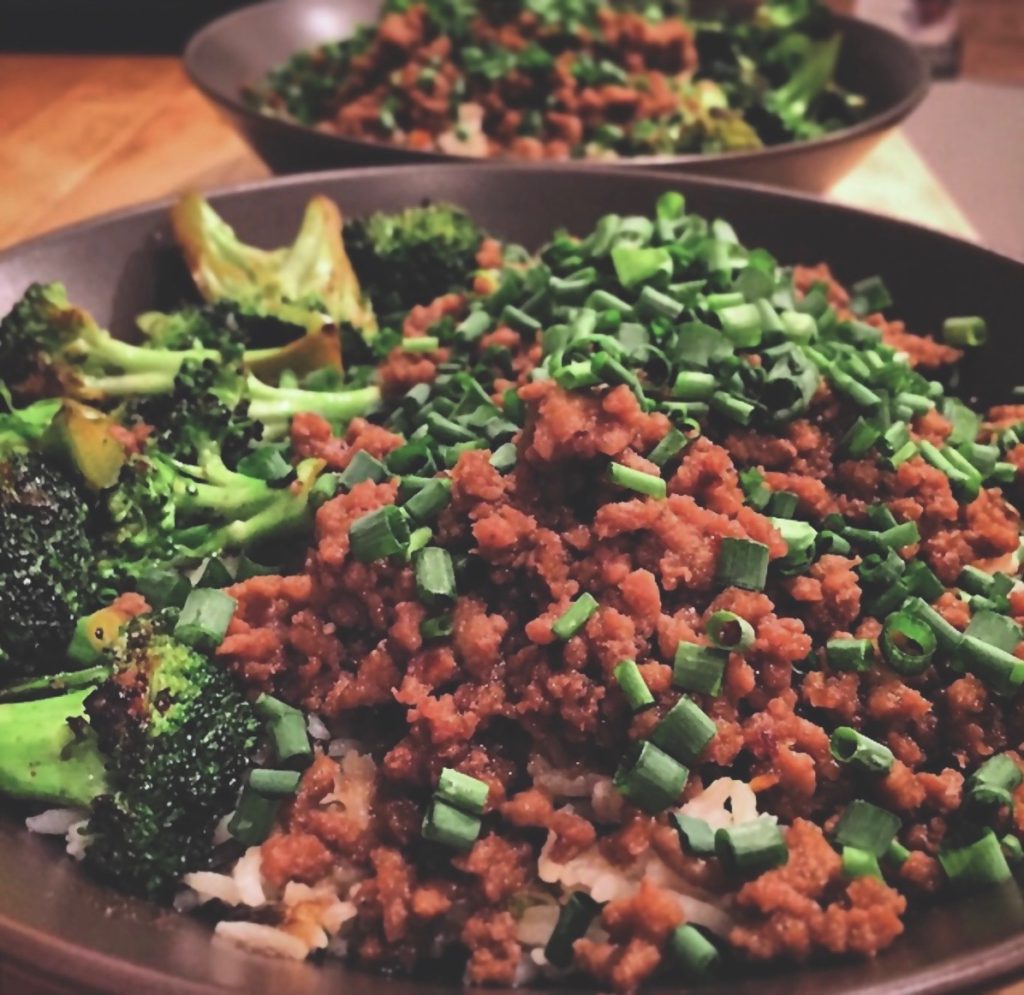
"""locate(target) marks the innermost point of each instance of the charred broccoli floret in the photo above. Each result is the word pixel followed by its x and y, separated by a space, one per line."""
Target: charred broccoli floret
pixel 301 283
pixel 46 563
pixel 411 257
pixel 50 347
pixel 157 752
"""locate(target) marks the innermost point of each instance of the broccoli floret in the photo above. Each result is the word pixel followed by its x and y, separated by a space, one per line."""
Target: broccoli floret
pixel 157 751
pixel 300 284
pixel 46 563
pixel 412 257
pixel 227 327
pixel 49 347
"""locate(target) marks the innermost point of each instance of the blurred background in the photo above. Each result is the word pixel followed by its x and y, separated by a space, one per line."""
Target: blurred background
pixel 94 118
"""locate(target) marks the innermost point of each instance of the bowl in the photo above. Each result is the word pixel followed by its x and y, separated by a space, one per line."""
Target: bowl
pixel 58 924
pixel 240 48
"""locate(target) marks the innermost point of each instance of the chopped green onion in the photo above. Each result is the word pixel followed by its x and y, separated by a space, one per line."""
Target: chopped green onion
pixel 430 499
pixel 274 783
pixel 633 686
pixel 751 848
pixel 673 443
pixel 574 919
pixel 684 731
pixel 859 863
pixel 464 792
pixel 695 835
pixel 437 628
pixel 897 853
pixel 783 505
pixel 473 327
pixel 254 818
pixel 994 782
pixel 867 827
pixel 908 644
pixel 421 343
pixel 694 952
pixel 850 654
pixel 921 580
pixel 869 295
pixel 574 617
pixel 362 467
pixel 649 778
pixel 832 542
pixel 205 618
pixel 798 327
pixel 693 385
pixel 287 728
pixel 379 534
pixel 904 534
pixel 447 825
pixel 965 332
pixel 655 304
pixel 741 324
pixel 755 490
pixel 799 538
pixel 996 629
pixel 504 458
pixel 878 570
pixel 849 746
pixel 978 864
pixel 734 408
pixel 435 576
pixel 726 630
pixel 948 637
pixel 742 563
pixel 699 668
pixel 999 670
pixel 636 480
pixel 519 321
pixel 634 265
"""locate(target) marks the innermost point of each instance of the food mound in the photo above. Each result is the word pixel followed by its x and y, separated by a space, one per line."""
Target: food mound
pixel 554 79
pixel 617 611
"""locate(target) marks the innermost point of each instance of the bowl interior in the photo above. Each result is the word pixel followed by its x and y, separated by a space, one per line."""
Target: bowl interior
pixel 61 923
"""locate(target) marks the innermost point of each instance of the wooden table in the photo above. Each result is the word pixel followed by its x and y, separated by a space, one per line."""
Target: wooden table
pixel 82 135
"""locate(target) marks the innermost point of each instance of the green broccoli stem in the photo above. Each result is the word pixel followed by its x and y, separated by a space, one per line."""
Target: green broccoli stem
pixel 66 680
pixel 98 346
pixel 287 513
pixel 219 489
pixel 45 758
pixel 127 384
pixel 276 406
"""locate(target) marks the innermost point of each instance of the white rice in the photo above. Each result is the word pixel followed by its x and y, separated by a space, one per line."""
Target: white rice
pixel 262 939
pixel 562 783
pixel 316 727
pixel 54 821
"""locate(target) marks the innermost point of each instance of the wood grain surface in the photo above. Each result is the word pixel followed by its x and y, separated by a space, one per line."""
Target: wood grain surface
pixel 83 135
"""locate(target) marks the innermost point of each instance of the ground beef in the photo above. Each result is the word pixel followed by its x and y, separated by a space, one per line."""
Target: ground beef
pixel 543 722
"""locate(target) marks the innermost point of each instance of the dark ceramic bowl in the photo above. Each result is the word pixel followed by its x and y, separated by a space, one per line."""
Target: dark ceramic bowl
pixel 240 48
pixel 56 922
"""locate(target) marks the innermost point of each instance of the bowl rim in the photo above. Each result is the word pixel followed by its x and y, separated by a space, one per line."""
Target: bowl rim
pixel 155 204
pixel 875 124
pixel 26 944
